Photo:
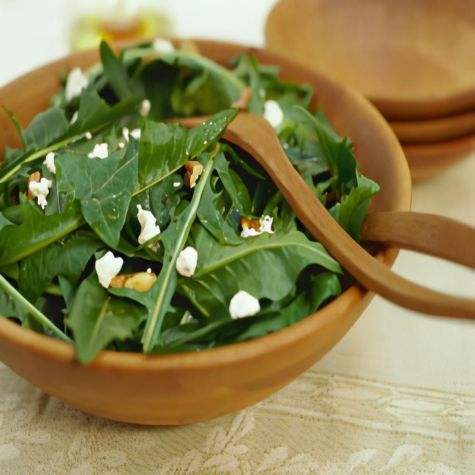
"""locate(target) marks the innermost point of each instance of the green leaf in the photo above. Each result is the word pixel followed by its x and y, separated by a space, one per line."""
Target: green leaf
pixel 97 319
pixel 162 151
pixel 164 148
pixel 352 209
pixel 162 199
pixel 234 186
pixel 104 188
pixel 9 306
pixel 114 71
pixel 16 123
pixel 67 259
pixel 266 266
pixel 337 151
pixel 211 88
pixel 322 287
pixel 12 303
pixel 45 128
pixel 159 79
pixel 36 232
pixel 94 112
pixel 213 216
pixel 173 239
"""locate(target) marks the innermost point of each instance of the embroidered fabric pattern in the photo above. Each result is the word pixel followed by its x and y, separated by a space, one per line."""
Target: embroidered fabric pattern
pixel 323 423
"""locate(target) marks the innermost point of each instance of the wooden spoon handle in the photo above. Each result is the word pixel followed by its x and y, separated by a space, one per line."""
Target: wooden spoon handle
pixel 426 233
pixel 255 136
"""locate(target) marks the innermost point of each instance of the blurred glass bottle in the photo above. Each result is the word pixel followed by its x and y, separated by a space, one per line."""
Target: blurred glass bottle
pixel 115 20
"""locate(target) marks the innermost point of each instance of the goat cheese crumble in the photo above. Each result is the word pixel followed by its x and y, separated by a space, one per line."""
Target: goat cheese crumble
pixel 74 117
pixel 75 83
pixel 161 45
pixel 100 150
pixel 243 305
pixel 107 267
pixel 49 163
pixel 40 190
pixel 187 261
pixel 145 108
pixel 135 133
pixel 273 113
pixel 148 225
pixel 250 230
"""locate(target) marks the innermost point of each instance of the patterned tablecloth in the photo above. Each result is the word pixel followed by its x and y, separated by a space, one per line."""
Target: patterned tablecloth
pixel 324 423
pixel 395 396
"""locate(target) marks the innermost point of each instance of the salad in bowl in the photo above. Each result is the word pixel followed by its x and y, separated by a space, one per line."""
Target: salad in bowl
pixel 122 230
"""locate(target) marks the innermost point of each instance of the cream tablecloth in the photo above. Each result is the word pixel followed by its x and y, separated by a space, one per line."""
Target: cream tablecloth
pixel 395 396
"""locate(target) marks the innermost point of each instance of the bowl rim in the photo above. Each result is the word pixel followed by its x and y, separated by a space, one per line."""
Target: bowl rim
pixel 236 352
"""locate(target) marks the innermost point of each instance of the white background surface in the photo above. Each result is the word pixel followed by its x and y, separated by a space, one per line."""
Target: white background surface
pixel 388 343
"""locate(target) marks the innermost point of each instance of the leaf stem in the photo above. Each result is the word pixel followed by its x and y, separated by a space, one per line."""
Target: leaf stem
pixel 32 310
pixel 155 320
pixel 155 182
pixel 8 171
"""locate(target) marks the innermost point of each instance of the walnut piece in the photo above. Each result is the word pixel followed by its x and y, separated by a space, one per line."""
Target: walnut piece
pixel 33 177
pixel 140 281
pixel 194 169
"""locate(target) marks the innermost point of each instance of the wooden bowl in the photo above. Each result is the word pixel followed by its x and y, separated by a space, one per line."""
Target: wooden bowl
pixel 426 160
pixel 190 387
pixel 434 130
pixel 411 59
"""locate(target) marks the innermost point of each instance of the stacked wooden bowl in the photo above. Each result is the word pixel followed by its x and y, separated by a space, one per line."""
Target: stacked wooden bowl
pixel 414 60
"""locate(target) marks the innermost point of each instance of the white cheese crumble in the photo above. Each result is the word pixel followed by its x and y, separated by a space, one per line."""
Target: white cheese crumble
pixel 75 83
pixel 49 163
pixel 265 226
pixel 40 190
pixel 187 261
pixel 145 108
pixel 176 184
pixel 148 225
pixel 74 118
pixel 161 45
pixel 107 267
pixel 88 136
pixel 100 150
pixel 243 305
pixel 273 113
pixel 135 133
pixel 121 145
pixel 249 232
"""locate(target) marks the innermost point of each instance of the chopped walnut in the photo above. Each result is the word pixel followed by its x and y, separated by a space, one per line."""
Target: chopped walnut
pixel 194 169
pixel 33 177
pixel 248 223
pixel 140 281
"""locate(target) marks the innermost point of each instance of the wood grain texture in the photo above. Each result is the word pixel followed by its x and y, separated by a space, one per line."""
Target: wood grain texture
pixel 190 387
pixel 429 234
pixel 426 160
pixel 434 130
pixel 411 58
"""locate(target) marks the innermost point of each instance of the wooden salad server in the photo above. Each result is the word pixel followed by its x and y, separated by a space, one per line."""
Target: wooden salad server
pixel 429 234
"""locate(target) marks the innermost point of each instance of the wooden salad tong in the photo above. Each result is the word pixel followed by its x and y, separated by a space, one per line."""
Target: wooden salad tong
pixel 425 233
